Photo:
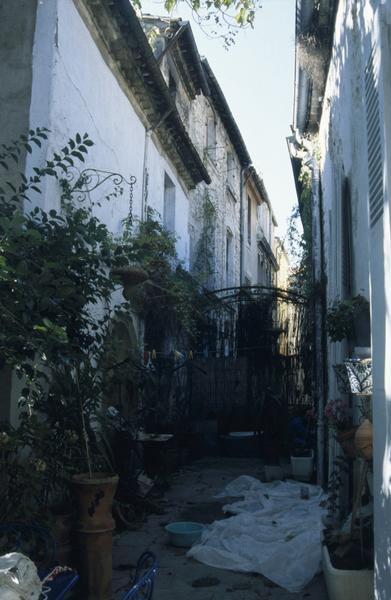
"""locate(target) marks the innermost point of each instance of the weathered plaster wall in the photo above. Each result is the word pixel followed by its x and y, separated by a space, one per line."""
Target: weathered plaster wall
pixel 226 199
pixel 155 198
pixel 76 89
pixel 343 150
pixel 342 144
pixel 17 26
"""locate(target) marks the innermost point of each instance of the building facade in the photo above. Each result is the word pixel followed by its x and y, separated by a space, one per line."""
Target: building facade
pixel 346 111
pixel 155 112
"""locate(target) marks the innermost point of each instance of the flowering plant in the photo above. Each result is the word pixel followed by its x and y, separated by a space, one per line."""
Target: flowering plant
pixel 337 414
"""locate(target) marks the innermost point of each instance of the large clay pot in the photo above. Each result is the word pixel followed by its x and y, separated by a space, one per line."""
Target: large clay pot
pixel 364 439
pixel 94 528
pixel 346 439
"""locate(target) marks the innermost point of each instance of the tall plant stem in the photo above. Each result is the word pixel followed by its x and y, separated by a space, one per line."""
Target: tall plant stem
pixel 85 434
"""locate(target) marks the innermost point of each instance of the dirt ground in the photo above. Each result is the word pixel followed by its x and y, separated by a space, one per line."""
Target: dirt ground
pixel 191 497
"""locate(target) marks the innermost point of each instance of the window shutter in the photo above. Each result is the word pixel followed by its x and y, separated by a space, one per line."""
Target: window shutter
pixel 346 239
pixel 375 157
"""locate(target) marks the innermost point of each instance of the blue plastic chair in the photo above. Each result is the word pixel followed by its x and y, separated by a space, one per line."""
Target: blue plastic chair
pixel 39 544
pixel 143 583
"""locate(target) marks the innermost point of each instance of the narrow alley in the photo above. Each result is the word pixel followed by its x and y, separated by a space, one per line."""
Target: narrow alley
pixel 192 498
pixel 195 299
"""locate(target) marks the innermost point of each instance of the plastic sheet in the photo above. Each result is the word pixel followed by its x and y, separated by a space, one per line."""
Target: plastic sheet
pixel 273 532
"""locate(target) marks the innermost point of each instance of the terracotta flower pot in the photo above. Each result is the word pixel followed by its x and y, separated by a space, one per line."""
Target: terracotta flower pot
pixel 364 439
pixel 346 439
pixel 62 528
pixel 94 527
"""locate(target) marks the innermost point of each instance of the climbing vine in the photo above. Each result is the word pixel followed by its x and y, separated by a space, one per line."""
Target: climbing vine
pixel 171 302
pixel 203 265
pixel 299 237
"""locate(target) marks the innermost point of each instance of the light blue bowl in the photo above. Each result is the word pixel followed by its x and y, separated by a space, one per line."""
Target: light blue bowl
pixel 184 533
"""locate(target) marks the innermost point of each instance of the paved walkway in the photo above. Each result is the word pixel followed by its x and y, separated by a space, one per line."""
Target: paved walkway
pixel 179 577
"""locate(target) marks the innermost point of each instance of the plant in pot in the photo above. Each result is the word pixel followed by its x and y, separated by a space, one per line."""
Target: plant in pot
pixel 54 272
pixel 359 373
pixel 349 319
pixel 348 540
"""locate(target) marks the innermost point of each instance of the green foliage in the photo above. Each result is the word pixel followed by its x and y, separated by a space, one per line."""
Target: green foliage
pixel 203 264
pixel 171 302
pixel 335 485
pixel 299 245
pixel 218 18
pixel 57 317
pixel 12 192
pixel 55 313
pixel 341 317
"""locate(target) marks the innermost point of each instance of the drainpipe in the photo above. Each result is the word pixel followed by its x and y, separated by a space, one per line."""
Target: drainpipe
pixel 241 226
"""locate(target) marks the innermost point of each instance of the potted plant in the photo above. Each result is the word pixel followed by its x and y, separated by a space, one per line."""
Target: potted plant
pixel 131 276
pixel 353 582
pixel 359 373
pixel 347 554
pixel 76 398
pixel 349 319
pixel 55 272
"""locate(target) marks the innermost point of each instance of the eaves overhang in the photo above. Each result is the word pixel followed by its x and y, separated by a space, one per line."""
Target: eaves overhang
pixel 122 34
pixel 221 106
pixel 314 21
pixel 259 185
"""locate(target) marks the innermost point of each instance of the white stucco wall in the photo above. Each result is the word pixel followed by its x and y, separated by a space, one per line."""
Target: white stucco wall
pixel 342 146
pixel 74 90
pixel 360 26
pixel 157 166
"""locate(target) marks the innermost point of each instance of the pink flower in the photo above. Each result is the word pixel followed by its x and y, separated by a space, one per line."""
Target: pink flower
pixel 337 413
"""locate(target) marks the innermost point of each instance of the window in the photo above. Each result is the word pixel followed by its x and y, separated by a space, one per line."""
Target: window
pixel 374 128
pixel 211 138
pixel 249 220
pixel 229 259
pixel 231 171
pixel 346 262
pixel 169 204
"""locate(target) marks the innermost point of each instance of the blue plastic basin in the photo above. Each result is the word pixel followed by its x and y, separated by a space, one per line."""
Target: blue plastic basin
pixel 184 533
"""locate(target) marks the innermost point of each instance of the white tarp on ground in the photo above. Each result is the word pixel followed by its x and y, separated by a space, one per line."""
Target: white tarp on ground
pixel 273 532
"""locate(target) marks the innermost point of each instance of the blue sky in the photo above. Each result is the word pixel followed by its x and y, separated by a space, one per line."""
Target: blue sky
pixel 257 77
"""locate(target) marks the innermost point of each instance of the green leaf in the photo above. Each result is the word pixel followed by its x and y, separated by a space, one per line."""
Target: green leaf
pixel 78 155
